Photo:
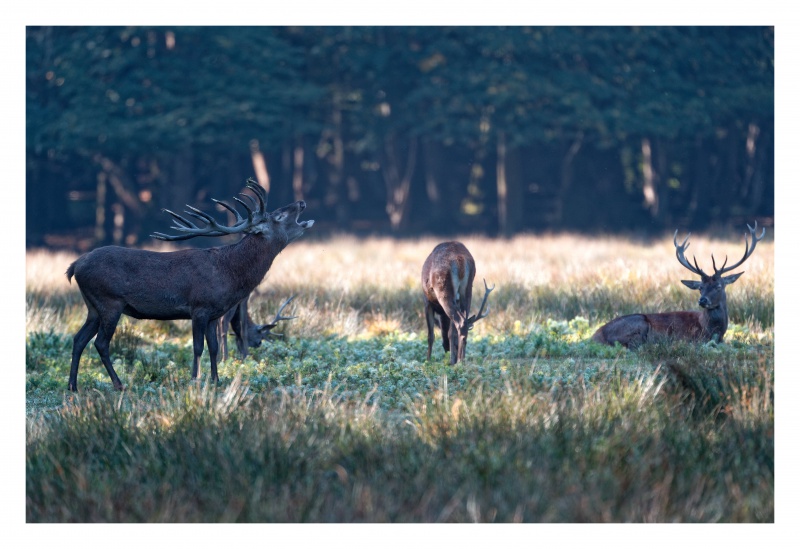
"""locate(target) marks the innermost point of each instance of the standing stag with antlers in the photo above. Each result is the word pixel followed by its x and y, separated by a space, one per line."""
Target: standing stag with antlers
pixel 197 284
pixel 710 323
pixel 447 276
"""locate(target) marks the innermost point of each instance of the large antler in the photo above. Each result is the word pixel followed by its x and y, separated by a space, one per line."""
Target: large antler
pixel 475 318
pixel 256 213
pixel 748 250
pixel 265 329
pixel 680 249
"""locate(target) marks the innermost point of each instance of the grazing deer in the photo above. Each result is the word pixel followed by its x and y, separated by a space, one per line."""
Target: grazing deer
pixel 247 332
pixel 447 276
pixel 710 323
pixel 196 284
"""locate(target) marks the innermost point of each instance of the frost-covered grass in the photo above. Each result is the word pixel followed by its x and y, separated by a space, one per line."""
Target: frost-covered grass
pixel 344 420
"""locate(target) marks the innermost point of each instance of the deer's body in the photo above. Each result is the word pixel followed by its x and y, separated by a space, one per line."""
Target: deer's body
pixel 634 329
pixel 447 277
pixel 196 284
pixel 709 323
pixel 154 284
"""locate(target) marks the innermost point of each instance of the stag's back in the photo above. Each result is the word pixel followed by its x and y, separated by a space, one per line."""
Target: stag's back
pixel 448 273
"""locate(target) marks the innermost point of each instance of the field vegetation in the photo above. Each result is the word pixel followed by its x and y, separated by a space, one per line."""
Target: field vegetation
pixel 343 420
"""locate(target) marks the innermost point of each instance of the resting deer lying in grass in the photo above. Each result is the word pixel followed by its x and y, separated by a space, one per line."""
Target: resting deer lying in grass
pixel 196 284
pixel 447 276
pixel 247 332
pixel 710 323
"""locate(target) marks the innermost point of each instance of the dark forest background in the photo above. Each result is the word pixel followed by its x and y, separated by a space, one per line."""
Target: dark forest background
pixel 400 130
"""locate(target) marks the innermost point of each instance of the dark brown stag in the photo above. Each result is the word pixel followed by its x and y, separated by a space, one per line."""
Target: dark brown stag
pixel 447 276
pixel 709 323
pixel 247 332
pixel 196 284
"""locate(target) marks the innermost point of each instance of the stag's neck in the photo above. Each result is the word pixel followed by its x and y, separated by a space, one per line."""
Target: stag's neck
pixel 715 322
pixel 251 257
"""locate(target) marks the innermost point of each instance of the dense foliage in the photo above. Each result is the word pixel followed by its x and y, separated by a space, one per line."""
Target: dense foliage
pixel 438 129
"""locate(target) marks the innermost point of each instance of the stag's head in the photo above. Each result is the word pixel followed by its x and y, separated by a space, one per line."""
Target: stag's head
pixel 282 223
pixel 259 332
pixel 286 220
pixel 712 287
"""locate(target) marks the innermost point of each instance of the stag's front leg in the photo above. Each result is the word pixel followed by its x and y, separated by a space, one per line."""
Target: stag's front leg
pixel 198 334
pixel 454 342
pixel 444 320
pixel 213 347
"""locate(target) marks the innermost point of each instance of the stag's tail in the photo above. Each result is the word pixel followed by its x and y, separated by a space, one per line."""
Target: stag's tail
pixel 71 271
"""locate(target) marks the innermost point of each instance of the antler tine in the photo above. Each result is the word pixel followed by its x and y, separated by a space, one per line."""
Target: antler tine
pixel 246 207
pixel 230 208
pixel 186 223
pixel 714 263
pixel 261 194
pixel 475 318
pixel 680 250
pixel 251 199
pixel 749 247
pixel 278 316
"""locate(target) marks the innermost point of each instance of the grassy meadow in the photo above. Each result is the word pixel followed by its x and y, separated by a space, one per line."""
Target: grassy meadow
pixel 344 420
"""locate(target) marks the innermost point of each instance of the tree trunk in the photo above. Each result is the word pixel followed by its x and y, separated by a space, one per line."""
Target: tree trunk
pixel 567 164
pixel 297 169
pixel 398 187
pixel 650 178
pixel 335 198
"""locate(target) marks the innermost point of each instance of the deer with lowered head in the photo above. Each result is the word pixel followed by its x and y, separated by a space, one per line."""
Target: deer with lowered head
pixel 197 284
pixel 709 323
pixel 447 276
pixel 246 331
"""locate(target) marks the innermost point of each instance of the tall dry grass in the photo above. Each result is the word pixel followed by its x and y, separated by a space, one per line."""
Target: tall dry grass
pixel 350 286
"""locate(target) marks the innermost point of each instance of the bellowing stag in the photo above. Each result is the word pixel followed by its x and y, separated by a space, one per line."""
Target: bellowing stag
pixel 709 323
pixel 447 276
pixel 196 284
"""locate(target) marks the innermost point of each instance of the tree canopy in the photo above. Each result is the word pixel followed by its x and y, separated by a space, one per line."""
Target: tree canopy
pixel 402 129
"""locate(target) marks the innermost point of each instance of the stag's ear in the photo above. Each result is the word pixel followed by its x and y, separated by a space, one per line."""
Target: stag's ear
pixel 693 284
pixel 262 228
pixel 731 279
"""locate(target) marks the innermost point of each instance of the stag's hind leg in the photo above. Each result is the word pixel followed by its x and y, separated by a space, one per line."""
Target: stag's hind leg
pixel 108 324
pixel 430 322
pixel 629 331
pixel 79 342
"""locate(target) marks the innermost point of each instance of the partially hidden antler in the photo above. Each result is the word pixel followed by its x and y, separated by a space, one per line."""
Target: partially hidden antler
pixel 265 329
pixel 475 318
pixel 256 213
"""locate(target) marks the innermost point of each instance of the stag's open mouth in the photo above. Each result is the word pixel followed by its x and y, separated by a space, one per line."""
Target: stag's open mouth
pixel 301 205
